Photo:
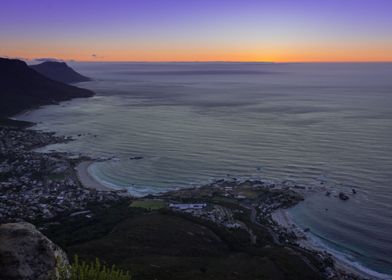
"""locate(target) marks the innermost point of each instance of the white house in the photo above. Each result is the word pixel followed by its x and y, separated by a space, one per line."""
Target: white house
pixel 186 206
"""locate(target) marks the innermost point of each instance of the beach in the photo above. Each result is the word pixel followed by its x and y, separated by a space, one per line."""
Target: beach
pixel 87 180
pixel 305 240
pixel 280 216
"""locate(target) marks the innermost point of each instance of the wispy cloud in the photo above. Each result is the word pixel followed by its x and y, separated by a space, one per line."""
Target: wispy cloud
pixel 96 56
pixel 43 59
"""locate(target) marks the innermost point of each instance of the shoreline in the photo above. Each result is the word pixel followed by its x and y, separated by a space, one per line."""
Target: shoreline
pixel 280 216
pixel 87 180
pixel 304 240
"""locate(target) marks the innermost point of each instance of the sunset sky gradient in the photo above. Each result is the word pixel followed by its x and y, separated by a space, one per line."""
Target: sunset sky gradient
pixel 197 30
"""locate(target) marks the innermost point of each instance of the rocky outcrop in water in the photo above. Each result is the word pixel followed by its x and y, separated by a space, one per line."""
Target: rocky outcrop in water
pixel 343 196
pixel 26 254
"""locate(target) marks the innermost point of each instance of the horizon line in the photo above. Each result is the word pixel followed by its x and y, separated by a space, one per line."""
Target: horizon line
pixel 214 61
pixel 38 59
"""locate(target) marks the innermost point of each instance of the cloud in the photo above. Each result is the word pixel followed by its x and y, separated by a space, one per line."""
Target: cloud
pixel 97 56
pixel 43 59
pixel 14 57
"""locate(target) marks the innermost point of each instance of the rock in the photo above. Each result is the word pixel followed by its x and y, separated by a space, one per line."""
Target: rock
pixel 136 158
pixel 26 254
pixel 343 196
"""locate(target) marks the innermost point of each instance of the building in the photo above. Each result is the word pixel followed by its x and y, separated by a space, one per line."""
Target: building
pixel 186 206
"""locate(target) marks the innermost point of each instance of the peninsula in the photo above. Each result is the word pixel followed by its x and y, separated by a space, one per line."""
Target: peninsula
pixel 59 71
pixel 23 88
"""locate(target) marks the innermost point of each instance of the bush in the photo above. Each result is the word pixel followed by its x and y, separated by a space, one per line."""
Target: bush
pixel 93 271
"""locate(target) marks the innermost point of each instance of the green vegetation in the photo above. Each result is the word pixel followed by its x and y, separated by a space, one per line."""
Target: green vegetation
pixel 92 271
pixel 68 230
pixel 249 193
pixel 56 176
pixel 149 204
pixel 168 245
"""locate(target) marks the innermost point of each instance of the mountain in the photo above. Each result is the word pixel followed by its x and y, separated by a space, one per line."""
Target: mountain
pixel 23 88
pixel 59 71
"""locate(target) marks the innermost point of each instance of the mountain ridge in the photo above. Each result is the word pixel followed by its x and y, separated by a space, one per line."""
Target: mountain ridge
pixel 23 88
pixel 59 71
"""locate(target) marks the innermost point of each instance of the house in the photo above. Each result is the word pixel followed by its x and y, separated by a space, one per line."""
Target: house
pixel 186 206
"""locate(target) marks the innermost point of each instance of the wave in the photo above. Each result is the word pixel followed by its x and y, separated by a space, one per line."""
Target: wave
pixel 344 256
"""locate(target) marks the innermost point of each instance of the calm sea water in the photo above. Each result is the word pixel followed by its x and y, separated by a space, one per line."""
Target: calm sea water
pixel 316 124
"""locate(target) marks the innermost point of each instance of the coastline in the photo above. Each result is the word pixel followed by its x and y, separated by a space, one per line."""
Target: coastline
pixel 280 216
pixel 87 180
pixel 101 191
pixel 283 219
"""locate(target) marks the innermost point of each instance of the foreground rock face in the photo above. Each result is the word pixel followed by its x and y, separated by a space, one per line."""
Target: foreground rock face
pixel 26 254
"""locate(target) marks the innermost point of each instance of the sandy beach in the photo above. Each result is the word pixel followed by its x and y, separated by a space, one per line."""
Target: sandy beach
pixel 87 180
pixel 306 241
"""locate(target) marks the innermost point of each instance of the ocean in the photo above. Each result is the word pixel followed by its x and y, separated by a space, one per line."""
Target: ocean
pixel 327 126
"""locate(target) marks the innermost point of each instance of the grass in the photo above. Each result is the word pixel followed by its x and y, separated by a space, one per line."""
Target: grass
pixel 149 204
pixel 225 201
pixel 249 193
pixel 91 271
pixel 57 177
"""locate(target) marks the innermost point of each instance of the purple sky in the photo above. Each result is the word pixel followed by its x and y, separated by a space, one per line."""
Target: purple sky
pixel 281 30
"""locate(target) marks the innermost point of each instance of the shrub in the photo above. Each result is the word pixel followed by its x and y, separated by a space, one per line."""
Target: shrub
pixel 92 271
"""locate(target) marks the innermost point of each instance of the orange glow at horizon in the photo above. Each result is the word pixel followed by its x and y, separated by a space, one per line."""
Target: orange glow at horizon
pixel 161 54
pixel 210 30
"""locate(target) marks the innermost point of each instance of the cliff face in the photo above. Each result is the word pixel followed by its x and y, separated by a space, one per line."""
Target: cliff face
pixel 26 254
pixel 23 88
pixel 59 71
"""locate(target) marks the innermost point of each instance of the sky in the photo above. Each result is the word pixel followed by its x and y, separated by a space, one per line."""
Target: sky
pixel 197 30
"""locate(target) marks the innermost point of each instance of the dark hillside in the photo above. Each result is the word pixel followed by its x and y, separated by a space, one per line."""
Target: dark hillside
pixel 22 88
pixel 59 71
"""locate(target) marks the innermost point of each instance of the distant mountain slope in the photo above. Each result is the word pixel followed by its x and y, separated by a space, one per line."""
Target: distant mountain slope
pixel 59 71
pixel 23 88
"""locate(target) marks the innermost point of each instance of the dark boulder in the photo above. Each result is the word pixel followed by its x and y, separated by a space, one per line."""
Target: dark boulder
pixel 26 254
pixel 343 196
